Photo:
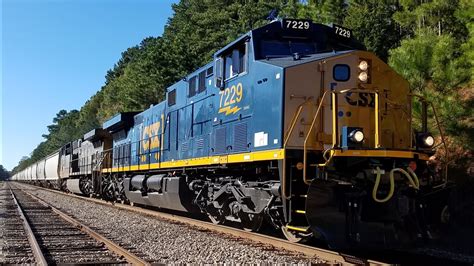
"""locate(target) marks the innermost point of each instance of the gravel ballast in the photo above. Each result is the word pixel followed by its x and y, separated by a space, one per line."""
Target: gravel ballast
pixel 167 242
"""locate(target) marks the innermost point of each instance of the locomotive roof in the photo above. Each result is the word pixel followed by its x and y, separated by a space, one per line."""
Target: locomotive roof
pixel 322 33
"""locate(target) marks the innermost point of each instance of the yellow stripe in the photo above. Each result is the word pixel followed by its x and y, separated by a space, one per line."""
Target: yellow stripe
pixel 295 228
pixel 277 154
pixel 378 153
pixel 213 160
pixel 300 211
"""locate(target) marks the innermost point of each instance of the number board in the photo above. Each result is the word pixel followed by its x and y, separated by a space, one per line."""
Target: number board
pixel 342 32
pixel 297 24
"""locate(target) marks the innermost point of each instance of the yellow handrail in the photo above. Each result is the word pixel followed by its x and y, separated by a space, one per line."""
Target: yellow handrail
pixel 287 138
pixel 294 120
pixel 377 134
pixel 321 101
pixel 335 135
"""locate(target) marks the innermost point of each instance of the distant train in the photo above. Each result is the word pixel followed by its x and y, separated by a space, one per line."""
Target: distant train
pixel 292 123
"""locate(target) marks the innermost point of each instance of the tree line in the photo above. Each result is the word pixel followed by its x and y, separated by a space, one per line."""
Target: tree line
pixel 4 174
pixel 429 42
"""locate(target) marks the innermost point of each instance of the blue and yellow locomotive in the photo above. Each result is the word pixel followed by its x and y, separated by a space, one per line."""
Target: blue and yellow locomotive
pixel 293 123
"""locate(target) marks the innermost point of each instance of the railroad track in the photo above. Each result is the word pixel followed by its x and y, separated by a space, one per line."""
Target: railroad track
pixel 53 237
pixel 331 257
pixel 14 241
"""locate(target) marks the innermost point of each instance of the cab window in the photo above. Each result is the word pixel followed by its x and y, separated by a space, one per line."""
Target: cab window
pixel 172 97
pixel 192 87
pixel 235 62
pixel 202 81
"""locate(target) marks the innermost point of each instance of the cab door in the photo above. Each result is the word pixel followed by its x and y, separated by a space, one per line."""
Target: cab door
pixel 230 126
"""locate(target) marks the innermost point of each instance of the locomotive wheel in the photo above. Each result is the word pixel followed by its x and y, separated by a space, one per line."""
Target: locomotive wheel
pixel 445 215
pixel 251 222
pixel 294 236
pixel 216 217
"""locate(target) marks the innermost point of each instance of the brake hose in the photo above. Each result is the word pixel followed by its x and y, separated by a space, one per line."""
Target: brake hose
pixel 415 184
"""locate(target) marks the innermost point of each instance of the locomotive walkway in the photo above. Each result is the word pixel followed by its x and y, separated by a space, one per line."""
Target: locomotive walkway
pixel 271 243
pixel 38 233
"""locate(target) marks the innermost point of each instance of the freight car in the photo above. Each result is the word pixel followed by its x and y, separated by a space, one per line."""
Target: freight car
pixel 293 123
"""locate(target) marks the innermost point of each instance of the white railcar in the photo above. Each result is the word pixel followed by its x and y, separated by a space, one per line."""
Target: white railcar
pixel 40 171
pixel 51 167
pixel 34 176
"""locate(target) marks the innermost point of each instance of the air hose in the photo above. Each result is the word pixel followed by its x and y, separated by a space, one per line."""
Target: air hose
pixel 414 182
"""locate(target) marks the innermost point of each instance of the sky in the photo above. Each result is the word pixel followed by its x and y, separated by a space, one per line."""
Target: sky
pixel 55 54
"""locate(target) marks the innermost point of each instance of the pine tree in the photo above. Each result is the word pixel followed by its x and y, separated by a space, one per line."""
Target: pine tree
pixel 4 174
pixel 372 23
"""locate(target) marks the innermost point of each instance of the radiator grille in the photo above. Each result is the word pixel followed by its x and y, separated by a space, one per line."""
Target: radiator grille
pixel 240 137
pixel 184 146
pixel 200 143
pixel 220 140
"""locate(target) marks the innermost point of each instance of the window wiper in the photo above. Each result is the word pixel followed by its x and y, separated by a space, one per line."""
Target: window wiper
pixel 298 56
pixel 268 57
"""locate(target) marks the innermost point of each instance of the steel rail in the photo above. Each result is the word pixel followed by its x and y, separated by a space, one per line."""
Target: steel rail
pixel 332 257
pixel 112 246
pixel 37 253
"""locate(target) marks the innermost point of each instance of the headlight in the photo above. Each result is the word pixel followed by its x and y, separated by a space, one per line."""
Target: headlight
pixel 363 76
pixel 356 136
pixel 363 65
pixel 428 141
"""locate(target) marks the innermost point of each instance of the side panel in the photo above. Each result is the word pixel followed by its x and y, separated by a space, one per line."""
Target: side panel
pixel 34 167
pixel 265 129
pixel 135 132
pixel 302 83
pixel 40 170
pixel 121 149
pixel 87 154
pixel 65 161
pixel 52 163
pixel 248 116
pixel 28 173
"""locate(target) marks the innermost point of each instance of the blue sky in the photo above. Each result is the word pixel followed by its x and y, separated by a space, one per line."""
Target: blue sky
pixel 55 54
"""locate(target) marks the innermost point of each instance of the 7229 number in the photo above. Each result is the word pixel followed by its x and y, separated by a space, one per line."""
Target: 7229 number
pixel 346 33
pixel 297 24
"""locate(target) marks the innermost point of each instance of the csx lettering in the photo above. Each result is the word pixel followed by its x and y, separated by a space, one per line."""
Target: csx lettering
pixel 364 99
pixel 150 138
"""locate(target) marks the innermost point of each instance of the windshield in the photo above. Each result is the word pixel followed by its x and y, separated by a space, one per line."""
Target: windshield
pixel 281 48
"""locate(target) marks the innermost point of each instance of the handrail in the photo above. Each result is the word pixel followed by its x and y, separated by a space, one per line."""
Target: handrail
pixel 305 157
pixel 335 125
pixel 441 133
pixel 121 161
pixel 294 120
pixel 377 133
pixel 285 142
